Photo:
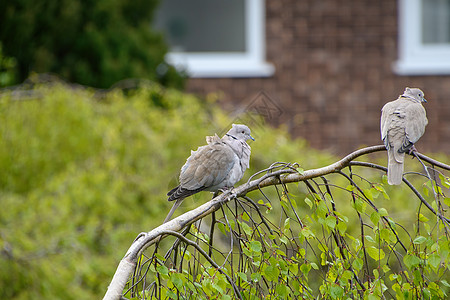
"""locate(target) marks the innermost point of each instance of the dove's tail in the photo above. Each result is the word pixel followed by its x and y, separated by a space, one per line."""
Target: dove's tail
pixel 180 192
pixel 172 210
pixel 395 167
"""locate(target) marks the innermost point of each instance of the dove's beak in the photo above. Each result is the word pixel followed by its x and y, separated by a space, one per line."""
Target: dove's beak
pixel 424 100
pixel 251 138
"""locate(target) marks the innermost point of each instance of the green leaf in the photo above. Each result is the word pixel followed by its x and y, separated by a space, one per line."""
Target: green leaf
pixel 314 266
pixel 187 255
pixel 293 268
pixel 336 291
pixel 375 217
pixel 357 264
pixel 222 228
pixel 383 212
pixel 245 217
pixel 330 221
pixel 282 291
pixel 447 201
pixel 255 277
pixel 411 261
pixel 347 275
pixel 243 276
pixel 246 228
pixel 425 190
pixel 162 269
pixel 434 260
pixel 375 253
pixel 419 240
pixel 287 224
pixel 309 202
pixel 271 273
pixel 350 188
pixel 306 232
pixel 305 268
pixel 217 287
pixel 368 194
pixel 422 218
pixel 176 279
pixel 284 240
pixel 385 234
pixel 369 238
pixel 322 209
pixel 207 287
pixel 232 224
pixel 255 246
pixel 445 283
pixel 329 198
pixel 342 227
pixel 360 205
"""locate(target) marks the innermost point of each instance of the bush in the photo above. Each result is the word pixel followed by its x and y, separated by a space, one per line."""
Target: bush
pixel 82 175
pixel 96 43
pixel 84 172
pixel 8 69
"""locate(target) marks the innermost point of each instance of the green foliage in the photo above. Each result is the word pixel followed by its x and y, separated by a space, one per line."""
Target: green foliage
pixel 83 173
pixel 308 258
pixel 312 240
pixel 8 69
pixel 96 43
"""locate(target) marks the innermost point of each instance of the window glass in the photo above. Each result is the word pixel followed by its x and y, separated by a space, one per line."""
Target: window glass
pixel 203 25
pixel 435 21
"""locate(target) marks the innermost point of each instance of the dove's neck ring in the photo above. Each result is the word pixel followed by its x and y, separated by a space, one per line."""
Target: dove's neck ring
pixel 412 98
pixel 232 136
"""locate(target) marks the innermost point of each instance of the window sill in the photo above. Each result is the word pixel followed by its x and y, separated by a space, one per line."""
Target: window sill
pixel 403 67
pixel 200 65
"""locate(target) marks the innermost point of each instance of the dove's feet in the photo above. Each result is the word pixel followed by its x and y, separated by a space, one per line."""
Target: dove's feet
pixel 412 149
pixel 228 190
pixel 225 189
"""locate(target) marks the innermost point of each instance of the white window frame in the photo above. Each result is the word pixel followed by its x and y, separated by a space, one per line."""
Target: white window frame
pixel 416 58
pixel 228 64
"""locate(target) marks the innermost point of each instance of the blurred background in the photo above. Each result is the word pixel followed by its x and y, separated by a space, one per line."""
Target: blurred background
pixel 328 65
pixel 101 102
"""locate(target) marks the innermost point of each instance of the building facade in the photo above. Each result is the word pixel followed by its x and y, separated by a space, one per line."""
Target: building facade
pixel 335 64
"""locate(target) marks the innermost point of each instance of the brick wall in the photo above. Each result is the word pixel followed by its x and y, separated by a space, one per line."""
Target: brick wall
pixel 333 61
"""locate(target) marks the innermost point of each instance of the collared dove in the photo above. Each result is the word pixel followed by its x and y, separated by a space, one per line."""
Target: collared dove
pixel 218 165
pixel 403 122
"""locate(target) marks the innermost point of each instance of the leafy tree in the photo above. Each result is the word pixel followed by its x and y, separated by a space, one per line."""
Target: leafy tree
pixel 96 43
pixel 8 69
pixel 84 171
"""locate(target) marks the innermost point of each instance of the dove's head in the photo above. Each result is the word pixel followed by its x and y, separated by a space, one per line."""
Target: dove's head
pixel 240 132
pixel 415 94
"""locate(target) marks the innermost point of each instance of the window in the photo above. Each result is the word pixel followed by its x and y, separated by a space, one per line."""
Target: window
pixel 424 37
pixel 215 38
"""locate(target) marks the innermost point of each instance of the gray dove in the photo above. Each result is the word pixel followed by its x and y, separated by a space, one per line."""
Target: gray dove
pixel 403 122
pixel 216 166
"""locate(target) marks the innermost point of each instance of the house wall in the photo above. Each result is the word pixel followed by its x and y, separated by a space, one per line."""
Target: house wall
pixel 333 61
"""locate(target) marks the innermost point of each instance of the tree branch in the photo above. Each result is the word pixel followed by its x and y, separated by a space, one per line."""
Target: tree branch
pixel 274 176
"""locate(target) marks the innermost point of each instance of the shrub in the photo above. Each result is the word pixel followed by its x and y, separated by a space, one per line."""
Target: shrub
pixel 96 43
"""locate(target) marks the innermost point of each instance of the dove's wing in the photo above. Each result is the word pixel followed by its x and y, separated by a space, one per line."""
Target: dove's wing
pixel 205 169
pixel 415 124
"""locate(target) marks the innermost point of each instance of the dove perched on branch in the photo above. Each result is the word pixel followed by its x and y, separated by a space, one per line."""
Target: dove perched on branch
pixel 403 122
pixel 218 165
